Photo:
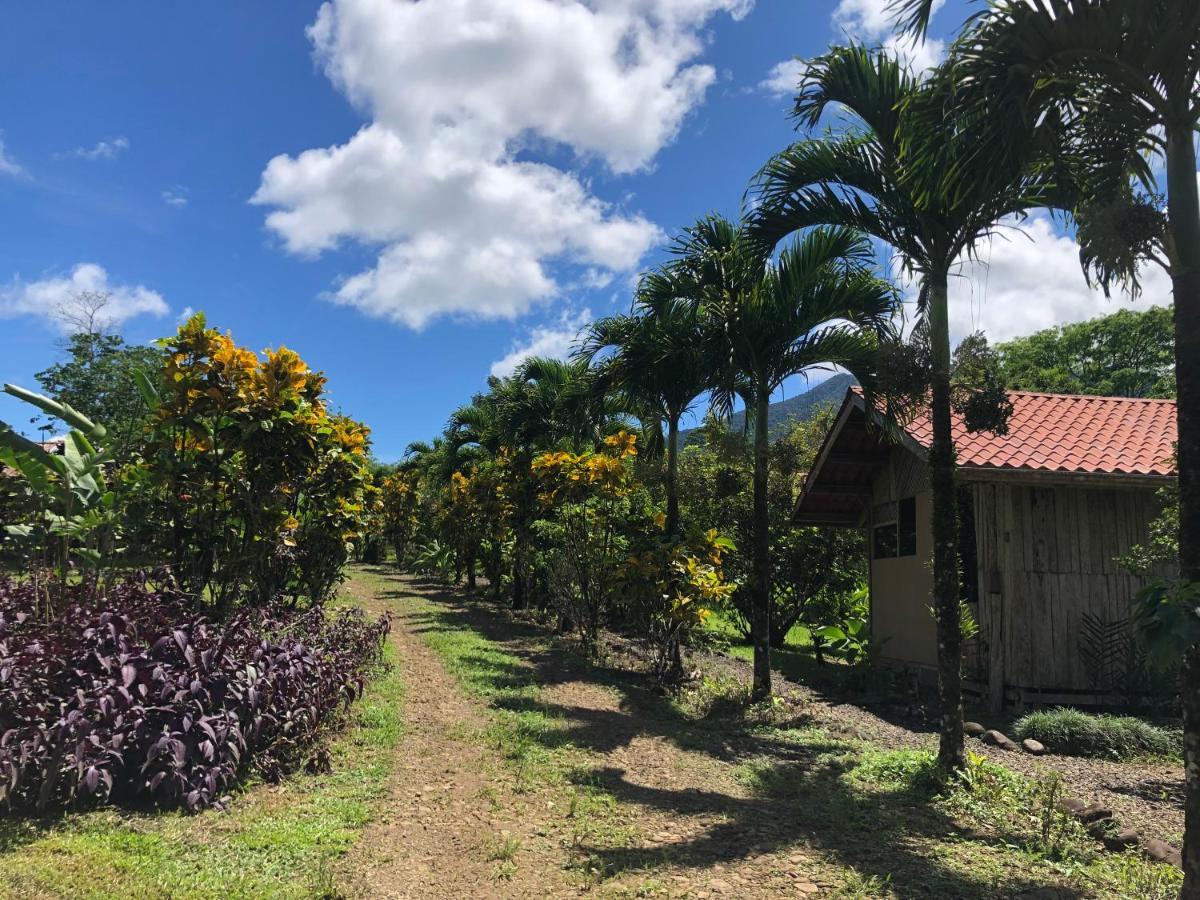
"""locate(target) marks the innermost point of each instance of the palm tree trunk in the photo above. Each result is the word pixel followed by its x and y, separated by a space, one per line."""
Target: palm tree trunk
pixel 673 475
pixel 760 598
pixel 951 750
pixel 1184 208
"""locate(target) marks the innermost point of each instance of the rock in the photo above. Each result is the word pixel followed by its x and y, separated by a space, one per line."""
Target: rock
pixel 1122 840
pixel 1094 812
pixel 999 739
pixel 1037 748
pixel 973 729
pixel 1160 851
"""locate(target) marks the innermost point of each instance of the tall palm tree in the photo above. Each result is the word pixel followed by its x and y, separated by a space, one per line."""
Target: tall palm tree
pixel 817 306
pixel 862 178
pixel 1121 80
pixel 657 363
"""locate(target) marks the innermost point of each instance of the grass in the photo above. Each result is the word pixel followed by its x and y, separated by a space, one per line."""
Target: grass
pixel 1077 733
pixel 884 822
pixel 276 841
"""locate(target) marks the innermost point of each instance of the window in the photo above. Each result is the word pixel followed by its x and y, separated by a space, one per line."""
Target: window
pixel 899 537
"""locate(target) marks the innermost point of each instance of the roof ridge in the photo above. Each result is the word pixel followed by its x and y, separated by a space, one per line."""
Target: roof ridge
pixel 1104 397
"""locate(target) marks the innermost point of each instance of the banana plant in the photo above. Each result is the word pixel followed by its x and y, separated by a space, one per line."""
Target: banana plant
pixel 74 502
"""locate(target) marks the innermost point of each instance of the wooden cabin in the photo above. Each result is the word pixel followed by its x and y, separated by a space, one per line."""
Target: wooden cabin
pixel 1044 512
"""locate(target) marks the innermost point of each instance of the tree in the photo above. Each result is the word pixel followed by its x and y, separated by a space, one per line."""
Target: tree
pixel 1125 354
pixel 1118 83
pixel 816 569
pixel 863 178
pixel 99 379
pixel 83 313
pixel 817 305
pixel 657 361
pixel 546 402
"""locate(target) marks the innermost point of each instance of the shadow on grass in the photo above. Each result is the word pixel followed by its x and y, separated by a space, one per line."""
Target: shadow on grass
pixel 798 795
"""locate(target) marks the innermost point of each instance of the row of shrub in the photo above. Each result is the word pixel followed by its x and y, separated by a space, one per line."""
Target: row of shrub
pixel 135 697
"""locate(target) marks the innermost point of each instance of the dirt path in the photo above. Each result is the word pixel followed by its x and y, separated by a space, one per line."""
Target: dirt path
pixel 679 824
pixel 451 804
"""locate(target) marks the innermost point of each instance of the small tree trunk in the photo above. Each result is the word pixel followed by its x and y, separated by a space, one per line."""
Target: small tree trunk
pixel 951 750
pixel 761 561
pixel 1185 282
pixel 672 525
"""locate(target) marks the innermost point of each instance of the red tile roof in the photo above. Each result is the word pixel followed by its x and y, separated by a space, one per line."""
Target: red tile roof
pixel 1071 433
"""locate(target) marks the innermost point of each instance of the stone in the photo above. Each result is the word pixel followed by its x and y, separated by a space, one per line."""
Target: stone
pixel 1122 840
pixel 1072 806
pixel 1036 748
pixel 973 729
pixel 1161 851
pixel 1094 812
pixel 999 739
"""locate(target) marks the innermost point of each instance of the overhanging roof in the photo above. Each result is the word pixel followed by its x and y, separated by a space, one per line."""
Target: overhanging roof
pixel 1052 438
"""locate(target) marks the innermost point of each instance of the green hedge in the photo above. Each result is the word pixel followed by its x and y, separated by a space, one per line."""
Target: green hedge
pixel 1076 733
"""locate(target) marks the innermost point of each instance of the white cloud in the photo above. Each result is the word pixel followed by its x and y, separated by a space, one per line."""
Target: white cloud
pixel 784 78
pixel 8 165
pixel 456 90
pixel 1026 282
pixel 106 149
pixel 176 196
pixel 48 297
pixel 873 21
pixel 554 340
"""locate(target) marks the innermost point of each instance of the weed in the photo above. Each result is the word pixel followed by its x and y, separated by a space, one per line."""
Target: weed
pixel 504 870
pixel 501 849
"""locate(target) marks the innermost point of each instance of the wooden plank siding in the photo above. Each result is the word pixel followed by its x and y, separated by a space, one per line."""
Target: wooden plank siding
pixel 1047 555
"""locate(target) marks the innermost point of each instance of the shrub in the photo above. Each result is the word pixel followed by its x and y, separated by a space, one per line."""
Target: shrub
pixel 135 698
pixel 1078 733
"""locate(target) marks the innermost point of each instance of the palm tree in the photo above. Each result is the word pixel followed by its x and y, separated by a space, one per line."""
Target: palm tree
pixel 817 306
pixel 657 365
pixel 545 403
pixel 861 178
pixel 1120 79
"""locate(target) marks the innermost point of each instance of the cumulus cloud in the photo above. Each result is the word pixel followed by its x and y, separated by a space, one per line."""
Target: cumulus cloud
pixel 457 93
pixel 554 340
pixel 106 149
pixel 783 78
pixel 54 298
pixel 1024 282
pixel 873 21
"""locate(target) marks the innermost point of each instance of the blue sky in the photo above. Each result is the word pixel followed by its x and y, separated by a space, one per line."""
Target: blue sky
pixel 454 181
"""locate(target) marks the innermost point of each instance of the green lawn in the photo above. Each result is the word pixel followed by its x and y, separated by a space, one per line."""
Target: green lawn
pixel 276 840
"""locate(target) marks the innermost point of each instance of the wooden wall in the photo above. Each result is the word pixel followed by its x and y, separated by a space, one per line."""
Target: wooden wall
pixel 1046 554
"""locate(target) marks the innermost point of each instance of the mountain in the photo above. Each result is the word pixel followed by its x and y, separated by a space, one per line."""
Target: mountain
pixel 782 414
